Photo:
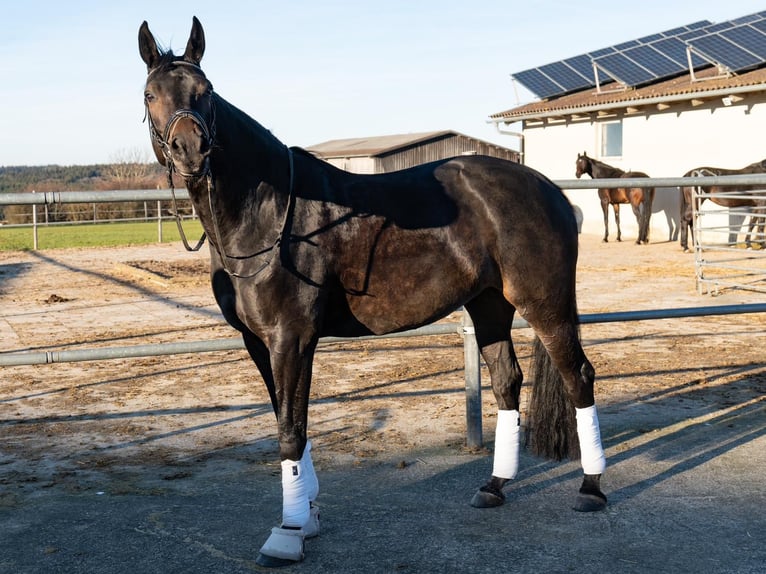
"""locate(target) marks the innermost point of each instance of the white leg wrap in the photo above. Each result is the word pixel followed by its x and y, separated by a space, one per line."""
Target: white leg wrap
pixel 295 500
pixel 506 462
pixel 591 452
pixel 312 483
pixel 299 487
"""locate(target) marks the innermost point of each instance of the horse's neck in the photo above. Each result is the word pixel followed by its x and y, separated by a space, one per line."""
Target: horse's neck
pixel 251 175
pixel 602 170
pixel 246 147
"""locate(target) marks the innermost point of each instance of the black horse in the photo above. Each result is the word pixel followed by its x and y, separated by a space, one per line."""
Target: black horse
pixel 300 249
pixel 757 201
pixel 639 198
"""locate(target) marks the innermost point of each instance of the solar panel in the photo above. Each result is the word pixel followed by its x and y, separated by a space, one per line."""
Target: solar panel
pixel 625 45
pixel 748 38
pixel 622 68
pixel 722 51
pixel 736 44
pixel 584 65
pixel 566 77
pixel 650 38
pixel 656 62
pixel 674 49
pixel 539 83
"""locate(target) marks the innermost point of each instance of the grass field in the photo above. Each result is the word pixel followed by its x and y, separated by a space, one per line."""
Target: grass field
pixel 95 235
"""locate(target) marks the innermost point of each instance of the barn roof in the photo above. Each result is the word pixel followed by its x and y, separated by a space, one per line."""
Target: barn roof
pixel 376 145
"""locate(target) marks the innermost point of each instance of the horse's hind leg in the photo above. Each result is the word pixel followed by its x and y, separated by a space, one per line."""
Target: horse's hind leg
pixel 562 347
pixel 492 316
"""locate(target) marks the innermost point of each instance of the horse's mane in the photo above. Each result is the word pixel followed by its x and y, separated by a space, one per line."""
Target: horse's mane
pixel 606 166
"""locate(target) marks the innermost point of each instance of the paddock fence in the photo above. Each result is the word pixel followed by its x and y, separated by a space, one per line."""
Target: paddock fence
pixel 474 433
pixel 730 243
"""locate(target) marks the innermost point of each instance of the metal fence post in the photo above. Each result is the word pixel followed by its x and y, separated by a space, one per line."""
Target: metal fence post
pixel 34 225
pixel 159 221
pixel 472 384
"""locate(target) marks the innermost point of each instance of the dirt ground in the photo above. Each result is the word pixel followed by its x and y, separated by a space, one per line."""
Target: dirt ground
pixel 151 425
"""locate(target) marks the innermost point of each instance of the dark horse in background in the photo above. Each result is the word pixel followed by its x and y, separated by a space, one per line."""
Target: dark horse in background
pixel 300 250
pixel 639 198
pixel 757 201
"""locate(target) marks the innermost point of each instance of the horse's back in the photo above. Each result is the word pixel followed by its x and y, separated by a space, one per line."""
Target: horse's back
pixel 496 225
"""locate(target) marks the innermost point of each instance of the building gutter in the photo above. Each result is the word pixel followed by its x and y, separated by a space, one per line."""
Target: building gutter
pixel 636 102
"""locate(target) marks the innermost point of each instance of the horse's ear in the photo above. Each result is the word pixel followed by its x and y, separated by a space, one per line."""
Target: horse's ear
pixel 147 46
pixel 195 47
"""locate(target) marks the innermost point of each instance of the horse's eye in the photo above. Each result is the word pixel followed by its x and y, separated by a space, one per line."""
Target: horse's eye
pixel 148 97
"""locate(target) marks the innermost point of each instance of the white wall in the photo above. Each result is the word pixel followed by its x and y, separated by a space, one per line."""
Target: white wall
pixel 662 144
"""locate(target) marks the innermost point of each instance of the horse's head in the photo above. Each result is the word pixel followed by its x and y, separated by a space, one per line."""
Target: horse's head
pixel 583 165
pixel 179 103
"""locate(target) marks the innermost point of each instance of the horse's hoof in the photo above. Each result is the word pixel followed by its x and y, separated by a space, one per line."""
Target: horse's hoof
pixel 590 502
pixel 285 546
pixel 487 498
pixel 273 562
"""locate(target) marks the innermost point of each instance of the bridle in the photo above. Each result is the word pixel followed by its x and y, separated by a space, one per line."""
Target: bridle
pixel 208 133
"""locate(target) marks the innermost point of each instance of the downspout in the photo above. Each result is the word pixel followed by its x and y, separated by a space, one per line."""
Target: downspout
pixel 518 135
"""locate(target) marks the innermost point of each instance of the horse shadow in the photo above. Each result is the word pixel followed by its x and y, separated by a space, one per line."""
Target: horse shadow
pixel 667 202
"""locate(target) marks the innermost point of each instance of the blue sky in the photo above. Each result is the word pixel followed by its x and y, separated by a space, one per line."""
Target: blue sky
pixel 71 79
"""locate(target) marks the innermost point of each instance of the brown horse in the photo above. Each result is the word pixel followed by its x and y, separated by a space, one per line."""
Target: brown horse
pixel 639 198
pixel 300 250
pixel 758 202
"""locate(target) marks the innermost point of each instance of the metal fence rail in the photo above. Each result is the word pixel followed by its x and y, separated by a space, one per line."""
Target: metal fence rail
pixel 472 375
pixel 720 259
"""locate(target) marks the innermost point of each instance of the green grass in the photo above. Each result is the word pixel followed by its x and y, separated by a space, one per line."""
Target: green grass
pixel 95 235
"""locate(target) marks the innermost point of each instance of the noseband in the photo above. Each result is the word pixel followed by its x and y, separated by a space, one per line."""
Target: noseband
pixel 162 140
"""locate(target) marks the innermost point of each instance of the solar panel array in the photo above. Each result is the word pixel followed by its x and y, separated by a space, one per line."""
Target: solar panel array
pixel 735 45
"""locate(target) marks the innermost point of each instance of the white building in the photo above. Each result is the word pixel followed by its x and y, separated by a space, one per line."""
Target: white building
pixel 704 114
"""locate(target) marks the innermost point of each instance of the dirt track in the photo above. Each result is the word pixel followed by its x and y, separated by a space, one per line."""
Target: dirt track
pixel 156 425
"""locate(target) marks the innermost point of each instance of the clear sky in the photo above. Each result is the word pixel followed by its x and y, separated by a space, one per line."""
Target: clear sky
pixel 71 79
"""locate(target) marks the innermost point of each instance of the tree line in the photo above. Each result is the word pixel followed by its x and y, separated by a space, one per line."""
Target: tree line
pixel 125 174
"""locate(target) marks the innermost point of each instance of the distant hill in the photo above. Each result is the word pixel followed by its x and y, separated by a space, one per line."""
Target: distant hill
pixel 81 177
pixel 125 175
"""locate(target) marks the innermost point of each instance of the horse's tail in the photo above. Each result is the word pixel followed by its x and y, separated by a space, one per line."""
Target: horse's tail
pixel 552 427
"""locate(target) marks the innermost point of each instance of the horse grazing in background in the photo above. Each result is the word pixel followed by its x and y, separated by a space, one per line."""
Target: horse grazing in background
pixel 639 198
pixel 300 249
pixel 757 221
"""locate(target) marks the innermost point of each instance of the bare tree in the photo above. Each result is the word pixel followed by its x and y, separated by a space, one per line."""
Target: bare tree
pixel 128 168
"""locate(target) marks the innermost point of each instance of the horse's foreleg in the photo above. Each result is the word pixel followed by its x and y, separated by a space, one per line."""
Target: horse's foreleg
pixel 300 487
pixel 605 210
pixel 616 207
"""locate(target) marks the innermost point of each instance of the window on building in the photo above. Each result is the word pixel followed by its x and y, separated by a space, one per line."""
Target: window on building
pixel 611 139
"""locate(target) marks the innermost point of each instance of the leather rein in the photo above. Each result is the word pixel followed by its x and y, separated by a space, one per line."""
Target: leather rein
pixel 208 133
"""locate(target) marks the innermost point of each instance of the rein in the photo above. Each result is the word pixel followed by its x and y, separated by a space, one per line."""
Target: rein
pixel 275 247
pixel 161 140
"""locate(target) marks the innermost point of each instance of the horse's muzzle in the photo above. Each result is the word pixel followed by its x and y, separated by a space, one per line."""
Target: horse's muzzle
pixel 187 143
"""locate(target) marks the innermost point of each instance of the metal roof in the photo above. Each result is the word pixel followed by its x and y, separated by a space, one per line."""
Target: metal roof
pixel 376 145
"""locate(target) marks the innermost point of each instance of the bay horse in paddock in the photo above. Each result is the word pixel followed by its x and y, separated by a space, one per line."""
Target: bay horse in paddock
pixel 300 250
pixel 757 220
pixel 639 198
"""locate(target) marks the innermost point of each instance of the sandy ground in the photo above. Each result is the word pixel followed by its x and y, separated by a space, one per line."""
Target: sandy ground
pixel 149 425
